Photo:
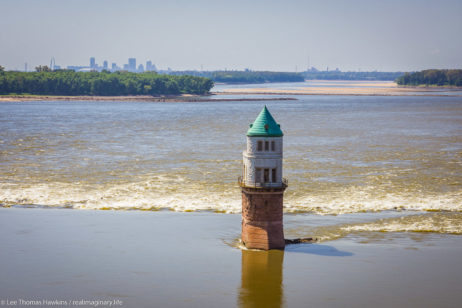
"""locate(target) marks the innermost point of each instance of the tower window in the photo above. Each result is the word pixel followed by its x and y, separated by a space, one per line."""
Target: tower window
pixel 260 146
pixel 273 175
pixel 266 175
pixel 258 175
pixel 266 145
pixel 273 146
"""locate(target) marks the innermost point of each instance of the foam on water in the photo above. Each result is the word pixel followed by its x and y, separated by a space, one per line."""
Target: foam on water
pixel 366 199
pixel 176 194
pixel 182 194
pixel 341 155
pixel 442 222
pixel 436 222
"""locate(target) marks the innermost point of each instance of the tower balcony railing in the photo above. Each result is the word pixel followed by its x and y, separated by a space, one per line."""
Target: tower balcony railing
pixel 255 184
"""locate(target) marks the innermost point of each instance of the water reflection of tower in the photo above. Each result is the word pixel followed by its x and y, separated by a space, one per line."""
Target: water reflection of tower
pixel 261 279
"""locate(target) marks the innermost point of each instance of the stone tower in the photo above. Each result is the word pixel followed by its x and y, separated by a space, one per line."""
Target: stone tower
pixel 262 185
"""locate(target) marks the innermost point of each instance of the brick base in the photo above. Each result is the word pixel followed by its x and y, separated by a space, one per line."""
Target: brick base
pixel 262 226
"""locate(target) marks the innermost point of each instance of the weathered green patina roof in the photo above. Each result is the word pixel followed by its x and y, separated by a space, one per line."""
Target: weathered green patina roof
pixel 264 126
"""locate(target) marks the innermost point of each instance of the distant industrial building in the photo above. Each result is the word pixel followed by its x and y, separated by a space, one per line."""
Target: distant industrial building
pixel 76 68
pixel 150 67
pixel 131 64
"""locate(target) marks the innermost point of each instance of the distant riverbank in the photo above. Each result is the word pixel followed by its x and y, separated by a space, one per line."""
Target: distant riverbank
pixel 432 78
pixel 262 92
pixel 431 87
pixel 328 87
pixel 70 83
pixel 132 98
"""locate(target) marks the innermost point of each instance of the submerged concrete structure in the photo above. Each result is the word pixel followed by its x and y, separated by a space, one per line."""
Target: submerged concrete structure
pixel 262 185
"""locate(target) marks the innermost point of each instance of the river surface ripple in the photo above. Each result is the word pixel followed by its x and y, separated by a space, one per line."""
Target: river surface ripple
pixel 342 154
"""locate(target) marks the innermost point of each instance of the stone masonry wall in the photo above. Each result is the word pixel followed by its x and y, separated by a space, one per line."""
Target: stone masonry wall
pixel 262 226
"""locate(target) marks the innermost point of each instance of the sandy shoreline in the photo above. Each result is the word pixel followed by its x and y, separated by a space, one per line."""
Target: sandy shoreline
pixel 344 88
pixel 338 93
pixel 318 87
pixel 167 99
pixel 348 91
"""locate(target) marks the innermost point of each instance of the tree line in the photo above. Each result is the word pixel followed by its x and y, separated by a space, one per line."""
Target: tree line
pixel 244 76
pixel 68 82
pixel 339 75
pixel 265 76
pixel 432 78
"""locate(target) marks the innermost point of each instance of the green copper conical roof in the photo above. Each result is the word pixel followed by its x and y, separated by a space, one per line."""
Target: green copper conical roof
pixel 264 126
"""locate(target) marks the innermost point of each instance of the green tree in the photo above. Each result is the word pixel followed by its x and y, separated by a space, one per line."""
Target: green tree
pixel 63 82
pixel 432 78
pixel 43 68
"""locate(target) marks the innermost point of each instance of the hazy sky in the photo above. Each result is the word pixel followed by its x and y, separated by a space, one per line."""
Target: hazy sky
pixel 261 35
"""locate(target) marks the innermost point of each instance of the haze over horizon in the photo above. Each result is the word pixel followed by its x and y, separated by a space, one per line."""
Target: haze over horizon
pixel 363 35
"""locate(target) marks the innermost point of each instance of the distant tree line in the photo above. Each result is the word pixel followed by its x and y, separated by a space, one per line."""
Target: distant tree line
pixel 339 75
pixel 244 76
pixel 432 78
pixel 67 82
